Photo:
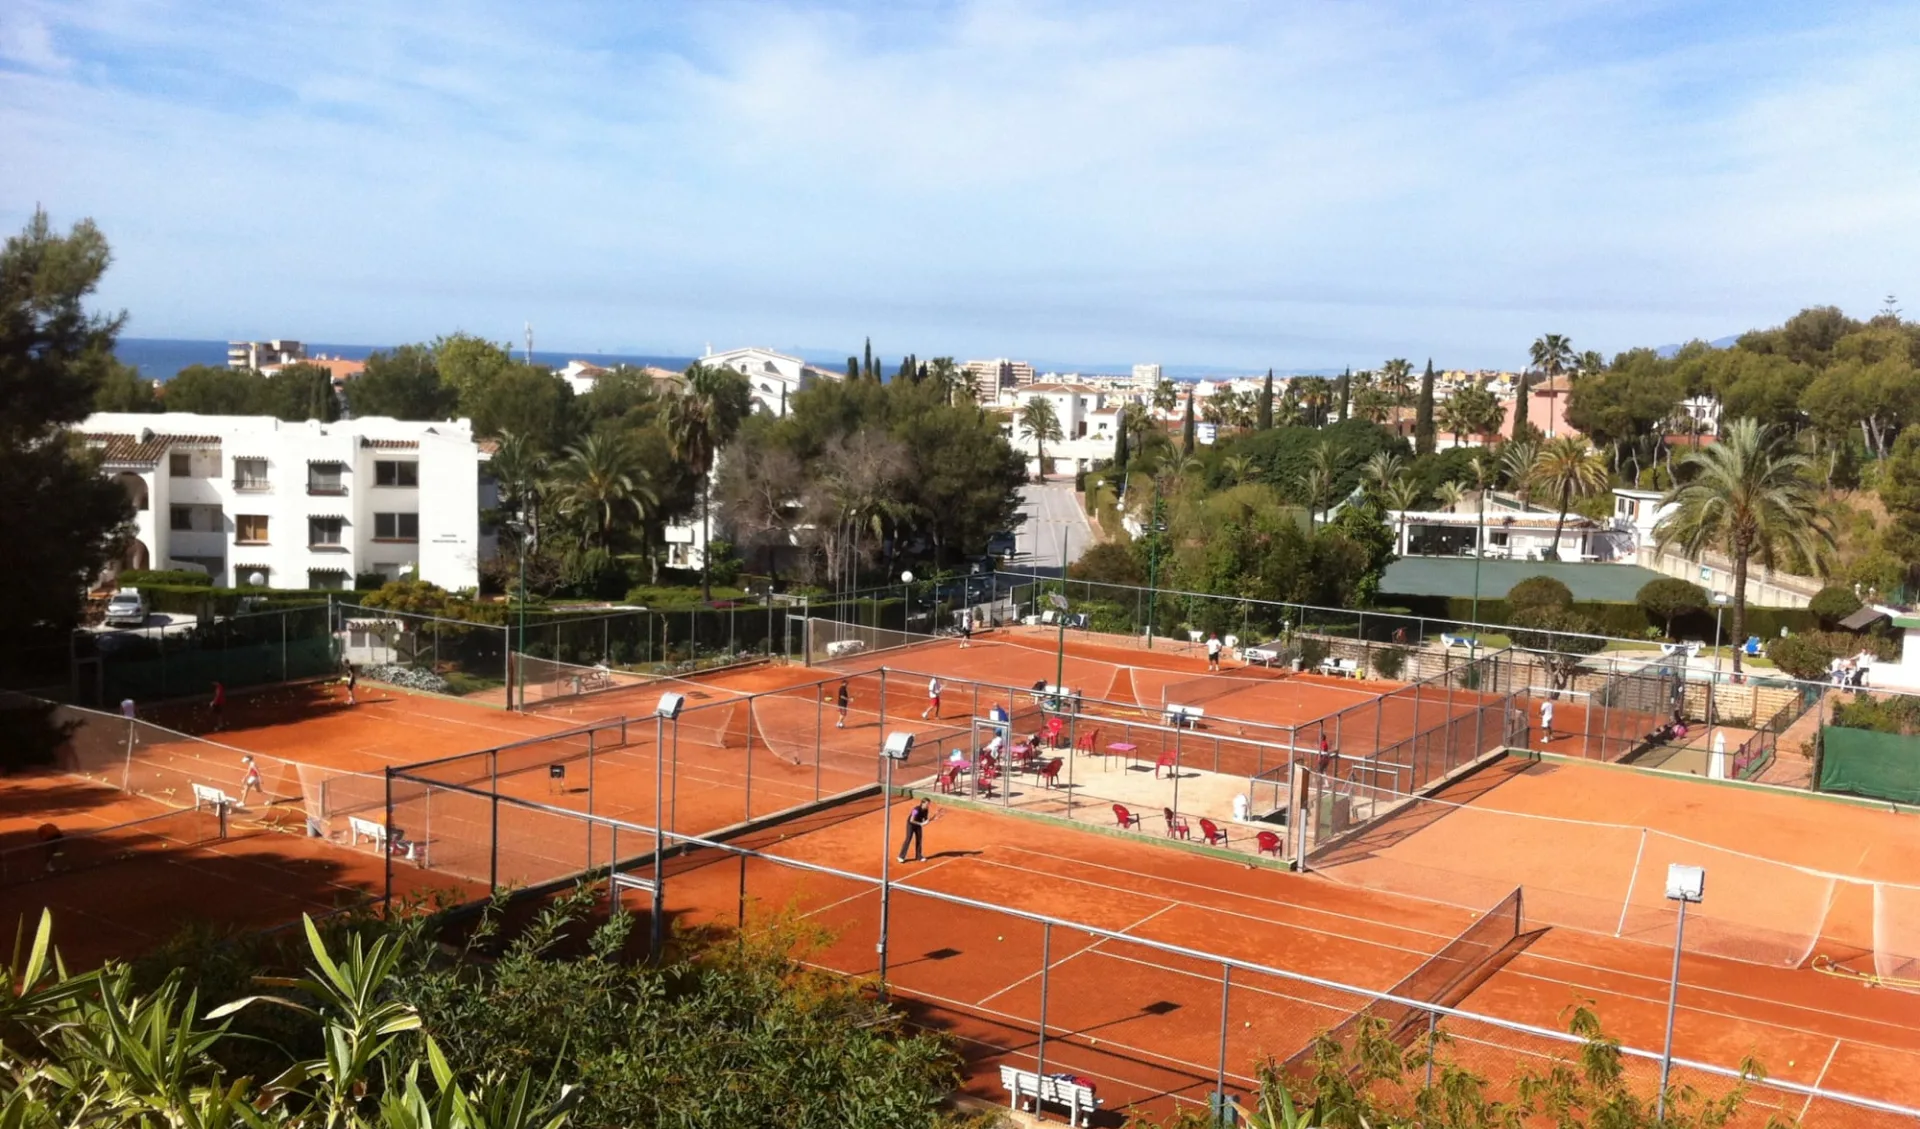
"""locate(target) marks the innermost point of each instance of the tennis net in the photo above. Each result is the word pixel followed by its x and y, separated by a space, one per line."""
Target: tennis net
pixel 106 845
pixel 1446 978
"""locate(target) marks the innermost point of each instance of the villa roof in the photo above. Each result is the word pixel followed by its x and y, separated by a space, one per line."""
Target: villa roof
pixel 144 449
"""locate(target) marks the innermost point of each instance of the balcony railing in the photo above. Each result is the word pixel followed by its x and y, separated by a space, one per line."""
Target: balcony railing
pixel 330 489
pixel 250 485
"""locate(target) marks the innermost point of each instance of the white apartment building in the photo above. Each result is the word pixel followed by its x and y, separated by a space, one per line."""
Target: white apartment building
pixel 1146 378
pixel 998 375
pixel 772 377
pixel 300 505
pixel 1087 426
pixel 257 355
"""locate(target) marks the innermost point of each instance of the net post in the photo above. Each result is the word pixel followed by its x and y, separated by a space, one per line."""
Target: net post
pixel 386 895
pixel 1220 1068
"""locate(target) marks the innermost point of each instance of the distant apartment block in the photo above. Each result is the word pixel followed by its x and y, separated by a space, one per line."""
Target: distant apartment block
pixel 300 505
pixel 999 374
pixel 1146 378
pixel 257 355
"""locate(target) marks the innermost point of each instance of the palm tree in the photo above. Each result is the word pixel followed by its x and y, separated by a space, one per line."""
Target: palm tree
pixel 1401 495
pixel 1567 468
pixel 1316 397
pixel 1380 471
pixel 702 419
pixel 1373 403
pixel 599 479
pixel 945 376
pixel 1165 397
pixel 1314 488
pixel 1289 410
pixel 1591 363
pixel 1747 497
pixel 1239 468
pixel 1396 380
pixel 1516 466
pixel 1471 411
pixel 1551 354
pixel 1040 421
pixel 519 467
pixel 1448 495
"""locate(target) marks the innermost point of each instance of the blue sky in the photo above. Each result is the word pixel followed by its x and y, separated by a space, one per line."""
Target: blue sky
pixel 1234 184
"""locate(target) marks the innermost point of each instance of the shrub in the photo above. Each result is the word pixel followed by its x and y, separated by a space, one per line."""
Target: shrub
pixel 1668 597
pixel 175 577
pixel 1389 661
pixel 1810 654
pixel 1313 651
pixel 368 582
pixel 1892 715
pixel 1109 562
pixel 1539 592
pixel 1833 604
pixel 1562 637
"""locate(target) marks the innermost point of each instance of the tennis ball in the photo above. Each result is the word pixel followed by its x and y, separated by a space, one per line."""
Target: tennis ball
pixel 999 938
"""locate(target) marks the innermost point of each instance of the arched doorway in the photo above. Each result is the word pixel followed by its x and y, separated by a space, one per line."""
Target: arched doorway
pixel 136 488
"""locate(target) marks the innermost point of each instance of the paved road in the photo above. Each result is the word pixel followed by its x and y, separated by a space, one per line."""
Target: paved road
pixel 1051 509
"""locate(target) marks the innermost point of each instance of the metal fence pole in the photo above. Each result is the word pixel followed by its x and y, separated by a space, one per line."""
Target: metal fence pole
pixel 819 720
pixel 386 898
pixel 1220 1072
pixel 493 862
pixel 749 789
pixel 1046 970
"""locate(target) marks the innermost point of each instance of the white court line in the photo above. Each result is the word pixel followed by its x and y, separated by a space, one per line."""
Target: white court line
pixel 1822 1077
pixel 1077 952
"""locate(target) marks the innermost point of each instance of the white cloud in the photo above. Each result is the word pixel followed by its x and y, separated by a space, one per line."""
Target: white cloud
pixel 1300 185
pixel 26 41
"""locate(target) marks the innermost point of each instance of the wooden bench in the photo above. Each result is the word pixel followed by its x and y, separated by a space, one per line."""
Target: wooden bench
pixel 1187 716
pixel 1027 1090
pixel 212 797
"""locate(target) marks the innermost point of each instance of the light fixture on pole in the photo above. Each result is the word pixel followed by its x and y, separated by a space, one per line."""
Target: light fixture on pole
pixel 898 747
pixel 668 710
pixel 906 598
pixel 1685 884
pixel 1059 603
pixel 1720 601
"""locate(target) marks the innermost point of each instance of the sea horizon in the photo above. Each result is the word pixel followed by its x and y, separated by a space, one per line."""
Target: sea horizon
pixel 161 358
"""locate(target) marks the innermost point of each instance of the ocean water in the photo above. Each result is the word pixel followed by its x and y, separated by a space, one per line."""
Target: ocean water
pixel 159 358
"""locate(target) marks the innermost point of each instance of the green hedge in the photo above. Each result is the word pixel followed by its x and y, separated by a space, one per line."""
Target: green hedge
pixel 1626 620
pixel 143 578
pixel 200 600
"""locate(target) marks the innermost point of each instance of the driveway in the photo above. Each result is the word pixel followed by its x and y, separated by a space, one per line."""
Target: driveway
pixel 1052 509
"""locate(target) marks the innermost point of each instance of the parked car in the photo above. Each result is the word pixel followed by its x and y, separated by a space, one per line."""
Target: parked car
pixel 127 608
pixel 1000 544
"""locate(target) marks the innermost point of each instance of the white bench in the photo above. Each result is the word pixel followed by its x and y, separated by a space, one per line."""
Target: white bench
pixel 1188 716
pixel 212 797
pixel 1452 641
pixel 1690 648
pixel 1346 668
pixel 378 833
pixel 1025 1090
pixel 846 647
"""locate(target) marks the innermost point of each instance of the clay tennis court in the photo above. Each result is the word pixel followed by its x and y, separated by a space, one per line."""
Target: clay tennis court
pixel 129 872
pixel 1146 1026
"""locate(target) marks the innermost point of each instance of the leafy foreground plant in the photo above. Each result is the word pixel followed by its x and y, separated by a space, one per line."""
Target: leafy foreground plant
pixel 1374 1083
pixel 92 1049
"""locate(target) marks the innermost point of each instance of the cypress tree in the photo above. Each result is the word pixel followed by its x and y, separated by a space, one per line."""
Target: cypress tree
pixel 1423 418
pixel 1120 452
pixel 1265 421
pixel 853 369
pixel 1346 393
pixel 869 367
pixel 1520 404
pixel 1186 427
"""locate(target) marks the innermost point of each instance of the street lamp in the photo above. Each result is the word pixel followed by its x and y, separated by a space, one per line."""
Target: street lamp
pixel 1059 603
pixel 667 710
pixel 1720 600
pixel 898 747
pixel 1684 884
pixel 906 596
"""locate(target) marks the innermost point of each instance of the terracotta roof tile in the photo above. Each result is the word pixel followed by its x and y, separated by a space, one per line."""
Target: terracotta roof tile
pixel 390 444
pixel 144 449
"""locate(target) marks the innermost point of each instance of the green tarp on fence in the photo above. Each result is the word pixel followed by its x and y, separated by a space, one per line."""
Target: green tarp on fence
pixel 1863 762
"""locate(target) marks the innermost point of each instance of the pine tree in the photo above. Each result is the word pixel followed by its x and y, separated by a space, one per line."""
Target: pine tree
pixel 1265 421
pixel 1423 418
pixel 1186 428
pixel 1346 393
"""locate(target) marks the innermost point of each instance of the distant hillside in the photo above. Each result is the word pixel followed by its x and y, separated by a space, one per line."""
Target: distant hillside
pixel 1717 343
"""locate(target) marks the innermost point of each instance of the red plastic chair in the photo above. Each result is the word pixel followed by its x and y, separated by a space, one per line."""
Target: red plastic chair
pixel 1125 817
pixel 1050 772
pixel 1169 760
pixel 1269 843
pixel 1211 832
pixel 983 780
pixel 1177 825
pixel 1089 742
pixel 950 779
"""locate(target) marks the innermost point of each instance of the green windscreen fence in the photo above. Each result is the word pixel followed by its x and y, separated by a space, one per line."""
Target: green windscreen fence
pixel 1864 762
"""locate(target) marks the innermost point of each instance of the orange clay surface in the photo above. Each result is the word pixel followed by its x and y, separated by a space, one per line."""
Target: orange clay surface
pixel 1146 1025
pixel 175 874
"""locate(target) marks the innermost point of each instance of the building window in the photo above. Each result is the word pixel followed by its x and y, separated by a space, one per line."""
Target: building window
pixel 326 579
pixel 1499 537
pixel 250 529
pixel 180 519
pixel 395 473
pixel 250 474
pixel 243 576
pixel 326 478
pixel 180 465
pixel 396 527
pixel 324 532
